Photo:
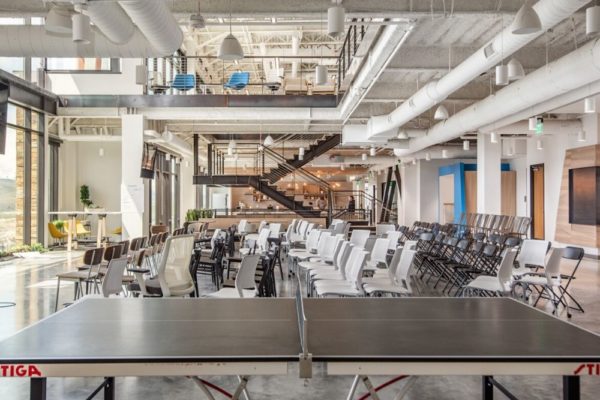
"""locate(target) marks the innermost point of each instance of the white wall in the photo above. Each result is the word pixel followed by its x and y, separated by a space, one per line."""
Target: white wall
pixel 187 191
pixel 97 83
pixel 81 164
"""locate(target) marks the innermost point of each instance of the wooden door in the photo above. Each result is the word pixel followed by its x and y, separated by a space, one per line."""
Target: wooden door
pixel 537 201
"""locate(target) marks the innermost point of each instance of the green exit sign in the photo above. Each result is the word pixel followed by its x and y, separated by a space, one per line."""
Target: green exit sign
pixel 539 126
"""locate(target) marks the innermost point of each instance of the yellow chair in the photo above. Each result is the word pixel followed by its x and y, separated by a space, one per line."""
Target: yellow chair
pixel 79 228
pixel 118 231
pixel 55 233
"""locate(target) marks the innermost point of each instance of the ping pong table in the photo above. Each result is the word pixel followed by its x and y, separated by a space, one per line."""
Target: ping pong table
pixel 248 337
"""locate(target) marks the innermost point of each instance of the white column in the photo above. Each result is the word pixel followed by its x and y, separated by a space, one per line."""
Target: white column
pixel 489 175
pixel 132 186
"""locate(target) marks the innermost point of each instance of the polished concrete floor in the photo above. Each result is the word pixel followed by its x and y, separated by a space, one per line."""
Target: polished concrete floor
pixel 31 285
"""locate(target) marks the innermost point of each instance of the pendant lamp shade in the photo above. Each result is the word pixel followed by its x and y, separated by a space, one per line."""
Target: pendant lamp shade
pixel 515 70
pixel 466 145
pixel 230 49
pixel 441 113
pixel 527 21
pixel 321 75
pixel 502 75
pixel 301 151
pixel 58 21
pixel 532 123
pixel 540 144
pixel 364 156
pixel 268 141
pixel 493 137
pixel 444 153
pixel 592 20
pixel 402 135
pixel 589 105
pixel 335 21
pixel 372 152
pixel 581 136
pixel 427 157
pixel 82 31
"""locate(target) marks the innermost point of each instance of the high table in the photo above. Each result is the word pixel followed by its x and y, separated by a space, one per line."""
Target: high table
pixel 72 232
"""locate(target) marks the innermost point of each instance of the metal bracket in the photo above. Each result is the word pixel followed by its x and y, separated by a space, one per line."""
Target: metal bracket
pixel 305 365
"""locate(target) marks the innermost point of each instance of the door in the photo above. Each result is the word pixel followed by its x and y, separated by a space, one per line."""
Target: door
pixel 537 201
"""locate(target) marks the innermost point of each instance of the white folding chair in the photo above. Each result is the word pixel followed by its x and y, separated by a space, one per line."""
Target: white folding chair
pixel 352 286
pixel 400 284
pixel 532 254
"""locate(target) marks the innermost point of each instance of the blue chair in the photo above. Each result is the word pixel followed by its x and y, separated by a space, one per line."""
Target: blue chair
pixel 238 80
pixel 184 82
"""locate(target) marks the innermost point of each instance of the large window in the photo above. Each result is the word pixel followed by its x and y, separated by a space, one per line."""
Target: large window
pixel 21 179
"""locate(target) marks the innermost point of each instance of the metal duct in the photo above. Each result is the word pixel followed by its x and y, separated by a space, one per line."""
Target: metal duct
pixel 32 41
pixel 576 69
pixel 111 20
pixel 156 22
pixel 551 12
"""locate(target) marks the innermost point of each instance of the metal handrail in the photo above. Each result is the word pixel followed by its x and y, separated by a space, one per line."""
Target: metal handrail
pixel 291 169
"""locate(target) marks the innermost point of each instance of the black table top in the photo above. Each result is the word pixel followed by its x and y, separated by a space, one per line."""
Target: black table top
pixel 365 329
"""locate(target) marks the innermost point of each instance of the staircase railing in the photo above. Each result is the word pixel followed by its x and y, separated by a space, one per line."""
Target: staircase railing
pixel 270 159
pixel 354 37
pixel 364 200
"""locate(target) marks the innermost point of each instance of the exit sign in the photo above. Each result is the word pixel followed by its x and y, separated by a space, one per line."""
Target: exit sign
pixel 539 126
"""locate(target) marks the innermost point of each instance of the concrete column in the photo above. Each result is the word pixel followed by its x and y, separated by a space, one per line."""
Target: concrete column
pixel 489 175
pixel 132 186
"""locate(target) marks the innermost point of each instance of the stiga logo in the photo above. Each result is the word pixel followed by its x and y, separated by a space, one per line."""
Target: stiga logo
pixel 588 369
pixel 19 371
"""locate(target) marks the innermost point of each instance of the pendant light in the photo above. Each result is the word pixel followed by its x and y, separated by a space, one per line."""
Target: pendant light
pixel 402 135
pixel 444 153
pixel 364 156
pixel 589 105
pixel 414 161
pixel 321 70
pixel 515 70
pixel 373 151
pixel 427 156
pixel 441 113
pixel 592 20
pixel 268 141
pixel 301 149
pixel 532 123
pixel 335 21
pixel 82 31
pixel 229 151
pixel 527 21
pixel 230 48
pixel 501 75
pixel 466 145
pixel 540 144
pixel 493 137
pixel 581 136
pixel 197 20
pixel 232 145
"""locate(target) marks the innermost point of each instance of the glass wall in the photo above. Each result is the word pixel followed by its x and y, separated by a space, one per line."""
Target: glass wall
pixel 21 179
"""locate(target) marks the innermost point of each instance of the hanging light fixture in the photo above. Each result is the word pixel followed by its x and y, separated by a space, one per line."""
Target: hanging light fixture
pixel 532 123
pixel 493 137
pixel 581 136
pixel 196 19
pixel 414 161
pixel 58 21
pixel 511 148
pixel 441 113
pixel 101 151
pixel 540 144
pixel 230 48
pixel 268 141
pixel 502 75
pixel 402 135
pixel 427 156
pixel 335 20
pixel 301 153
pixel 515 70
pixel 444 153
pixel 232 145
pixel 589 105
pixel 229 151
pixel 364 156
pixel 167 157
pixel 373 151
pixel 342 167
pixel 466 145
pixel 527 21
pixel 82 31
pixel 592 20
pixel 321 70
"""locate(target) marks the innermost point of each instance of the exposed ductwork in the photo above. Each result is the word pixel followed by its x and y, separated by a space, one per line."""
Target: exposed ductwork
pixel 551 12
pixel 114 34
pixel 576 69
pixel 357 135
pixel 111 20
pixel 156 22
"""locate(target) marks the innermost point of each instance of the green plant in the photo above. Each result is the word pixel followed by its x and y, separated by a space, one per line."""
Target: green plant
pixel 59 224
pixel 84 196
pixel 23 248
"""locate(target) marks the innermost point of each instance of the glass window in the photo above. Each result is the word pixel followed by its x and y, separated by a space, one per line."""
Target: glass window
pixel 78 64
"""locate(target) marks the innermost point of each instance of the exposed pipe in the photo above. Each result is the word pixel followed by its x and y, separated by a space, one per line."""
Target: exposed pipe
pixel 111 20
pixel 156 22
pixel 357 135
pixel 32 41
pixel 551 12
pixel 578 68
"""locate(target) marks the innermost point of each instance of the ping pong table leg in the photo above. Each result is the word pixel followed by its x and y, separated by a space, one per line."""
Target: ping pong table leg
pixel 37 388
pixel 109 388
pixel 571 390
pixel 241 388
pixel 488 388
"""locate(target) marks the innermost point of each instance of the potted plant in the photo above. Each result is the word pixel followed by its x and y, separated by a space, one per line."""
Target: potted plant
pixel 84 196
